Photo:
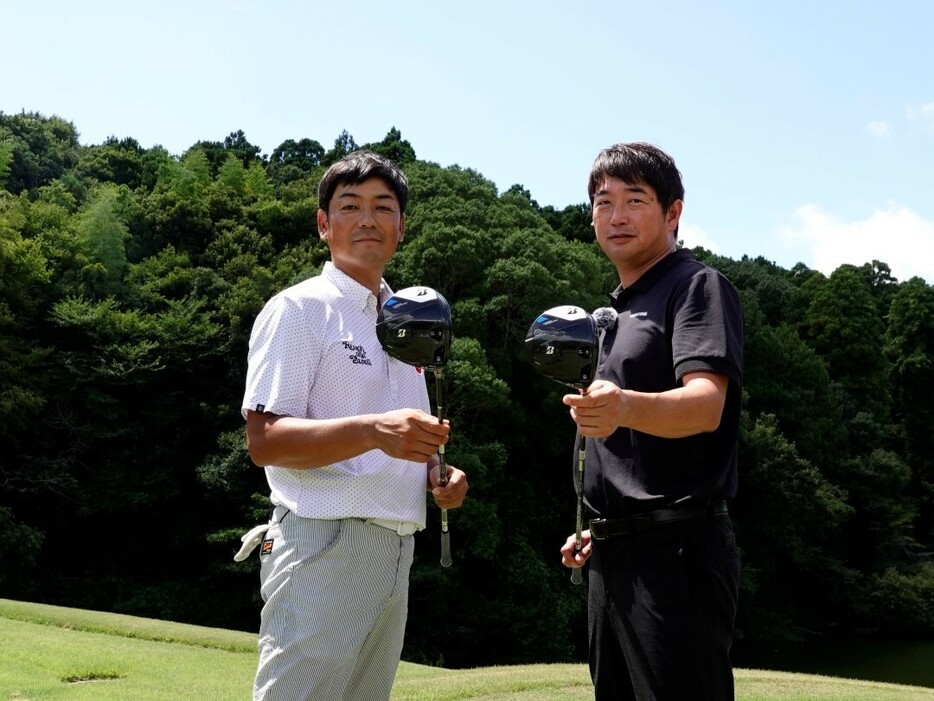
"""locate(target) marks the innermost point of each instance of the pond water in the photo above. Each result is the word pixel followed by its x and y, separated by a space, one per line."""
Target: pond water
pixel 895 661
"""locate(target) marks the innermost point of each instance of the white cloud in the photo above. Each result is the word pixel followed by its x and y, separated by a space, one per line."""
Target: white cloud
pixel 879 130
pixel 895 235
pixel 921 113
pixel 694 236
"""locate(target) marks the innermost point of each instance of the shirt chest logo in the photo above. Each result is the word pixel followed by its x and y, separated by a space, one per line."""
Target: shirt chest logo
pixel 358 355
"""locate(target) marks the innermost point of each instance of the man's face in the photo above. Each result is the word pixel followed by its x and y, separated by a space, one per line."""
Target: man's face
pixel 362 227
pixel 630 225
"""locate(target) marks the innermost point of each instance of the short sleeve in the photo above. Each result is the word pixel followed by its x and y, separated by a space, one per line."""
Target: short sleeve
pixel 708 328
pixel 283 355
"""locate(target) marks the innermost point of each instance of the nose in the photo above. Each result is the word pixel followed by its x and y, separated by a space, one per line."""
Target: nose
pixel 367 219
pixel 619 214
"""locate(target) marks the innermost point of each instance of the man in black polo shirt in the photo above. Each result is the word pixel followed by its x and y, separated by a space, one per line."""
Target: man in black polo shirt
pixel 663 416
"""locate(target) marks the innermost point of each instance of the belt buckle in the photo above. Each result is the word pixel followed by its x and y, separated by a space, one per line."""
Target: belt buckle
pixel 598 533
pixel 401 528
pixel 406 528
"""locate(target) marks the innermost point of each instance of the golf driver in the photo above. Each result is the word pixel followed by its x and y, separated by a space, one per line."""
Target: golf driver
pixel 564 344
pixel 414 326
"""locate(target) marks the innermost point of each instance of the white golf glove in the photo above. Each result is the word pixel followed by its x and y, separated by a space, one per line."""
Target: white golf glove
pixel 250 540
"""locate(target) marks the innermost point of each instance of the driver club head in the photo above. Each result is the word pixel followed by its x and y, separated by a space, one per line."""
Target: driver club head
pixel 414 326
pixel 563 344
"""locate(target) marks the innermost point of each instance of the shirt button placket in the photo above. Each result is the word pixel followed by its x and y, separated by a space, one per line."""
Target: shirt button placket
pixel 391 382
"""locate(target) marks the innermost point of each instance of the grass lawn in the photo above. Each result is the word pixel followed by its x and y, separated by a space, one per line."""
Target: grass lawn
pixel 52 653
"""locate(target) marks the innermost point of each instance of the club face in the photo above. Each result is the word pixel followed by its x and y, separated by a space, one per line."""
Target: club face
pixel 562 344
pixel 414 326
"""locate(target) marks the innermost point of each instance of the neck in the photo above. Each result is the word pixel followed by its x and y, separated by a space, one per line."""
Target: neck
pixel 370 279
pixel 627 276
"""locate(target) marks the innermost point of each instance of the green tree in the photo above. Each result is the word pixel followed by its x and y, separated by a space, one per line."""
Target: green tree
pixel 395 148
pixel 6 160
pixel 785 378
pixel 119 396
pixel 292 160
pixel 193 175
pixel 909 346
pixel 25 280
pixel 115 162
pixel 787 514
pixel 237 144
pixel 232 175
pixel 43 148
pixel 258 185
pixel 843 325
pixel 102 240
pixel 343 145
pixel 573 222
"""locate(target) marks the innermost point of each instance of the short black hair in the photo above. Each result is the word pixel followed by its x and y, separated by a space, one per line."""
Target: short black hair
pixel 638 162
pixel 358 166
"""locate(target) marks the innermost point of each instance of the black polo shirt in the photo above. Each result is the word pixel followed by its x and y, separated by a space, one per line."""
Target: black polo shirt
pixel 681 316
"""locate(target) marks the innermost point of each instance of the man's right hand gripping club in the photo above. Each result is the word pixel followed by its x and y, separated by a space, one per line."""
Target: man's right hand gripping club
pixel 570 556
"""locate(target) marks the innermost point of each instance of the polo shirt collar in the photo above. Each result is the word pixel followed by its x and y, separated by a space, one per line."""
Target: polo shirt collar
pixel 653 274
pixel 352 289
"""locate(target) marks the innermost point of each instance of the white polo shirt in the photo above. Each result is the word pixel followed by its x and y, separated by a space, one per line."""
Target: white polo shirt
pixel 314 354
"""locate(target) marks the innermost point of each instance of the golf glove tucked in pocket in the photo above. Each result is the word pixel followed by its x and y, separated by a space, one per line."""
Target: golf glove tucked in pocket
pixel 250 540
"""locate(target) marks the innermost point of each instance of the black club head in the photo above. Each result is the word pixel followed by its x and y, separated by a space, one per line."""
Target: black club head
pixel 562 344
pixel 414 326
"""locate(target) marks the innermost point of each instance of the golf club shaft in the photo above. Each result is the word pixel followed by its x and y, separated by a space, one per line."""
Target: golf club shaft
pixel 442 479
pixel 576 577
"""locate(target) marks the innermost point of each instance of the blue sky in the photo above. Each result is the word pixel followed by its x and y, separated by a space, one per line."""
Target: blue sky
pixel 804 130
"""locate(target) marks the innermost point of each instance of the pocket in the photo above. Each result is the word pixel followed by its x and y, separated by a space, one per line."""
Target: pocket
pixel 312 538
pixel 295 542
pixel 727 537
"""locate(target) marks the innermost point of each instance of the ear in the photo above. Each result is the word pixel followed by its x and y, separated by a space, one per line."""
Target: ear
pixel 673 217
pixel 322 220
pixel 401 228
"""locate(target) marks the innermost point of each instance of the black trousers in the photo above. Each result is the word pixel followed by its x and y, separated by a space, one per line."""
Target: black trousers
pixel 662 605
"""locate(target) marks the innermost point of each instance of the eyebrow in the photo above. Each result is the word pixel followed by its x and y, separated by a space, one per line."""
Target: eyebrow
pixel 353 195
pixel 631 188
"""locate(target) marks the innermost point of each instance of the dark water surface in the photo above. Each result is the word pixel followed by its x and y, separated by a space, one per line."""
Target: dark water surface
pixel 894 661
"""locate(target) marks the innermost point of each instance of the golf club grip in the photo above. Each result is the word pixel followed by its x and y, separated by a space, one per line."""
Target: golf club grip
pixel 446 558
pixel 581 458
pixel 576 576
pixel 445 540
pixel 442 467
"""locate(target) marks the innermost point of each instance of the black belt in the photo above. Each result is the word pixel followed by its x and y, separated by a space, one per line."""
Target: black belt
pixel 603 528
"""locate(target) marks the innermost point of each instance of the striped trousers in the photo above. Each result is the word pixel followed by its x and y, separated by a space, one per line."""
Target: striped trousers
pixel 336 602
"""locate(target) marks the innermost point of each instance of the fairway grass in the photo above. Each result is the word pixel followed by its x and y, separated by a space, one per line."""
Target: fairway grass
pixel 52 653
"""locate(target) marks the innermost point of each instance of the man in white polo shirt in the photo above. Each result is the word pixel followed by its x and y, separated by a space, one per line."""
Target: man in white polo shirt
pixel 349 446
